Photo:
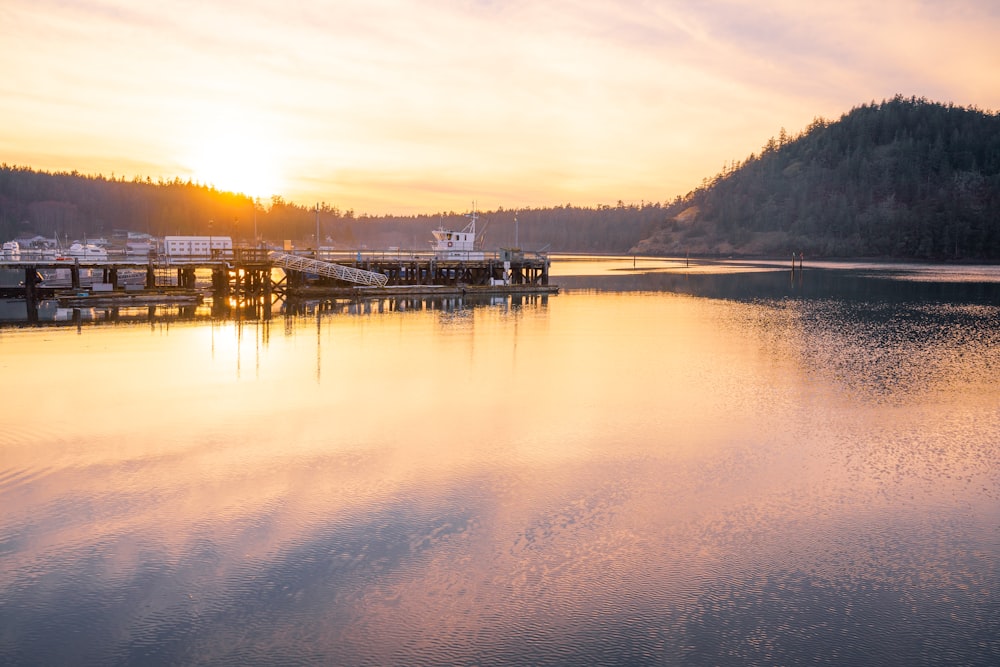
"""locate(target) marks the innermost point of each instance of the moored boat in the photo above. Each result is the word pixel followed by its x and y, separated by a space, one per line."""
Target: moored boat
pixel 11 250
pixel 458 245
pixel 87 251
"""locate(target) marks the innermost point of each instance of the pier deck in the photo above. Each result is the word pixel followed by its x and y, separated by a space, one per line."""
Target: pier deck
pixel 243 272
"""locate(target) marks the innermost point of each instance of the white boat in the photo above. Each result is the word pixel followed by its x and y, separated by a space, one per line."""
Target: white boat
pixel 11 251
pixel 139 248
pixel 458 245
pixel 89 251
pixel 139 244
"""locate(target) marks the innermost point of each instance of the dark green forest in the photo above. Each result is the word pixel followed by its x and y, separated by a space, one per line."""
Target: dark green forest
pixel 904 178
pixel 71 206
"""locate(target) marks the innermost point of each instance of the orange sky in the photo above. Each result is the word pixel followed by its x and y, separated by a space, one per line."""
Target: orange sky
pixel 386 106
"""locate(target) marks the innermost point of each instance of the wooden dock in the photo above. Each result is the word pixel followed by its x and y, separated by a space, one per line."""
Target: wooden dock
pixel 249 275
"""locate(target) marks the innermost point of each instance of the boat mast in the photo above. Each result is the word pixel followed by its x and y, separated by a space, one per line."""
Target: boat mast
pixel 472 225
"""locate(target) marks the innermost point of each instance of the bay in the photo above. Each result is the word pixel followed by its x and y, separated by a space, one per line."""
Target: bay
pixel 667 463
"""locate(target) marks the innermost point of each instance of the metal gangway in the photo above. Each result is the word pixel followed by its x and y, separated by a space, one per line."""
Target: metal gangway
pixel 327 269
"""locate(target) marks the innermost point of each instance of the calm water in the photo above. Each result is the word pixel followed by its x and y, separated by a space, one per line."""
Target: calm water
pixel 706 465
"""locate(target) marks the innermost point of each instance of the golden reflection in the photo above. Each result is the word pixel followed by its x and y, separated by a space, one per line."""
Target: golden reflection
pixel 493 470
pixel 594 265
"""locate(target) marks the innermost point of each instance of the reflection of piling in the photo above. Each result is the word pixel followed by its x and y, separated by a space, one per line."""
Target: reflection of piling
pixel 799 268
pixel 31 280
pixel 801 257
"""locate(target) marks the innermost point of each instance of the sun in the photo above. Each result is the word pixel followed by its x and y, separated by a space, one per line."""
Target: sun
pixel 236 159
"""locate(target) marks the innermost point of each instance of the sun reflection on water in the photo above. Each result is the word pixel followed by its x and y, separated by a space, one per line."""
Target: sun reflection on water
pixel 599 477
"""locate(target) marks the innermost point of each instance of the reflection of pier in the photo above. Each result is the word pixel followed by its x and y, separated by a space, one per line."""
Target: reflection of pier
pixel 412 303
pixel 254 278
pixel 51 313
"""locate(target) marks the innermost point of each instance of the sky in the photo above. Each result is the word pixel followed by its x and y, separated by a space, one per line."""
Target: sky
pixel 425 106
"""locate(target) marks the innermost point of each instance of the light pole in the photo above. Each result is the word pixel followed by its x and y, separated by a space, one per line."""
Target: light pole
pixel 256 203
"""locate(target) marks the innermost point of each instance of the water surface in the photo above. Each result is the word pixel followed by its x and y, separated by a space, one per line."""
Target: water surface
pixel 664 464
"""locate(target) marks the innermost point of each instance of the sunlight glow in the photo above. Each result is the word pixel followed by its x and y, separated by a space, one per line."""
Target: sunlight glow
pixel 236 158
pixel 402 106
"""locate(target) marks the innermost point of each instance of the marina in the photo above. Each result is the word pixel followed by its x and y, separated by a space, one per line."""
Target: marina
pixel 190 269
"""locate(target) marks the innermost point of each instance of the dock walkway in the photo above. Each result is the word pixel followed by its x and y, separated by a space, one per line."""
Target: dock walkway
pixel 250 271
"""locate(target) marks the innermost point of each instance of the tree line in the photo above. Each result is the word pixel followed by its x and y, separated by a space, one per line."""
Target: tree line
pixel 903 178
pixel 72 206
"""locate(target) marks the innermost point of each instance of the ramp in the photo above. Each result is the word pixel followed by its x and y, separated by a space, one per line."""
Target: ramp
pixel 327 269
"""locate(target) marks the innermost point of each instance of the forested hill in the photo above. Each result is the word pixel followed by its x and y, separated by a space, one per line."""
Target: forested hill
pixel 905 178
pixel 73 206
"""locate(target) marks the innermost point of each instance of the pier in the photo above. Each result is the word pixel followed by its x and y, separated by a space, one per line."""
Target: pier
pixel 244 276
pixel 506 270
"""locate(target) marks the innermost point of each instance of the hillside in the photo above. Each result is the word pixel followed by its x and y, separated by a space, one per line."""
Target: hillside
pixel 905 178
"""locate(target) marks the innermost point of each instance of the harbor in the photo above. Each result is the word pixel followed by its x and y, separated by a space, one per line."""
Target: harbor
pixel 192 268
pixel 252 270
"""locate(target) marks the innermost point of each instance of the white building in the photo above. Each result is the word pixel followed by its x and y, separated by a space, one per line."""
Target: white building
pixel 197 246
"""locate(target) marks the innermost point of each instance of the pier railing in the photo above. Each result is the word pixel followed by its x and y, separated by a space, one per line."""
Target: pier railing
pixel 328 269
